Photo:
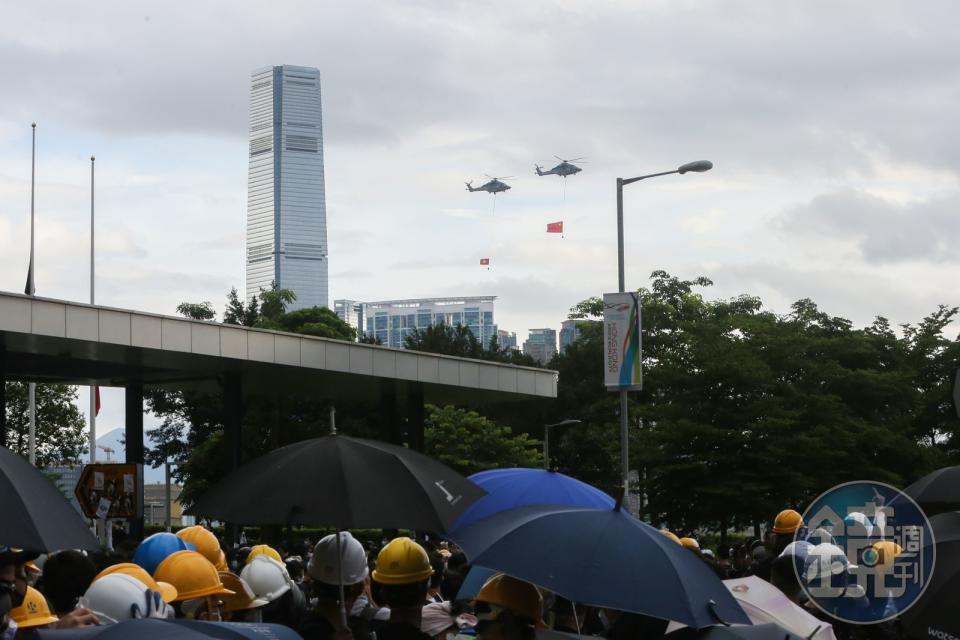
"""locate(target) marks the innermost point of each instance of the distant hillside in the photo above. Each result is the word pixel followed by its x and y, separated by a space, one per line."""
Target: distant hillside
pixel 114 440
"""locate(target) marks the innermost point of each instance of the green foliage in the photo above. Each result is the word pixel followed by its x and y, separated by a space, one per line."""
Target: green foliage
pixel 745 412
pixel 197 310
pixel 458 340
pixel 61 430
pixel 468 442
pixel 239 313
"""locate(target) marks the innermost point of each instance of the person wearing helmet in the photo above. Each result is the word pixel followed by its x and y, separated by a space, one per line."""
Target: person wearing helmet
pixel 167 591
pixel 197 583
pixel 324 621
pixel 243 605
pixel 268 578
pixel 786 526
pixel 117 596
pixel 401 578
pixel 508 609
pixel 33 613
pixel 206 544
pixel 264 549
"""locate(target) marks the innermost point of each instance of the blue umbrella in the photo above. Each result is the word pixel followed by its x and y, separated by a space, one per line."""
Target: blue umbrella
pixel 603 558
pixel 474 581
pixel 154 629
pixel 521 487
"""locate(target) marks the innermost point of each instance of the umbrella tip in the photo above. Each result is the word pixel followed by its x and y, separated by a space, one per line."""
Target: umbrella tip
pixel 619 503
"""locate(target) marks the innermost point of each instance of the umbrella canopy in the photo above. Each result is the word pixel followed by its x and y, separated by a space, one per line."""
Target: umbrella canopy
pixel 521 487
pixel 474 581
pixel 937 491
pixel 35 515
pixel 764 603
pixel 602 558
pixel 936 610
pixel 344 482
pixel 155 629
pixel 767 631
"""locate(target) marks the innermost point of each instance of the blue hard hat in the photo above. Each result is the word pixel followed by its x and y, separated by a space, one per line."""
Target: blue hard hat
pixel 155 549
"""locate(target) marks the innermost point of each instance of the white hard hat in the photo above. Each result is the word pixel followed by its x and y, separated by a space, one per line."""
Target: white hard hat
pixel 267 577
pixel 323 564
pixel 117 597
pixel 825 559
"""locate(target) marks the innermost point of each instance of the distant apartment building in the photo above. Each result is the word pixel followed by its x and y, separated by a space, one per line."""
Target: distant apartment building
pixel 541 345
pixel 391 321
pixel 286 202
pixel 155 506
pixel 507 340
pixel 569 333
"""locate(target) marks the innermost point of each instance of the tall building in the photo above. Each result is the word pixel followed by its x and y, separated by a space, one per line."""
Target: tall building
pixel 569 332
pixel 286 207
pixel 541 345
pixel 507 340
pixel 393 320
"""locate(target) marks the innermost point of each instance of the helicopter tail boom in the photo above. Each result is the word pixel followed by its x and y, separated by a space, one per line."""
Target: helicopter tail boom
pixel 538 169
pixel 469 187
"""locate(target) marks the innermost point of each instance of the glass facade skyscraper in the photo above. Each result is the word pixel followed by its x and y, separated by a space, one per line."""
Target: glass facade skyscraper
pixel 286 206
pixel 393 320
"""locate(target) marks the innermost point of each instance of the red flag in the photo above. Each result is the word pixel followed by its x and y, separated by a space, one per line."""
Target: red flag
pixel 484 262
pixel 555 227
pixel 97 402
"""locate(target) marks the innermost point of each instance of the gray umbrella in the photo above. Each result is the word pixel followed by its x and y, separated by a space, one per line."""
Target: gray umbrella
pixel 34 514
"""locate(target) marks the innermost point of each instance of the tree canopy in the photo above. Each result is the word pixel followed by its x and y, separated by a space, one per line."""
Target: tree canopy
pixel 61 430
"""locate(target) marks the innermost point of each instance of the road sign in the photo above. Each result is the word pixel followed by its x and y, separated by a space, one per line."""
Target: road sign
pixel 110 490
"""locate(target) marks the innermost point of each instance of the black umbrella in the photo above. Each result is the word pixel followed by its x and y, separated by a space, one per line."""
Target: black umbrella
pixel 767 631
pixel 344 482
pixel 936 614
pixel 33 513
pixel 154 629
pixel 937 491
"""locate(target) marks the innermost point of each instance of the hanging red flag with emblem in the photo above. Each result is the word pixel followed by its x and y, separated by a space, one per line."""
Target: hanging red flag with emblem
pixel 555 227
pixel 485 262
pixel 97 401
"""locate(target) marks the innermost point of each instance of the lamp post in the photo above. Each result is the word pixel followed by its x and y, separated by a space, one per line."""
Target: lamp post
pixel 698 166
pixel 546 439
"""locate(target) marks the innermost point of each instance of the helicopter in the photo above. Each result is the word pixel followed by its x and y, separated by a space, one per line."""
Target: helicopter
pixel 564 169
pixel 495 185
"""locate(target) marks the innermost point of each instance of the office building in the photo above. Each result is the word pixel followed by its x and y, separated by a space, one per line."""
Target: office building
pixel 393 320
pixel 541 345
pixel 569 333
pixel 286 207
pixel 507 340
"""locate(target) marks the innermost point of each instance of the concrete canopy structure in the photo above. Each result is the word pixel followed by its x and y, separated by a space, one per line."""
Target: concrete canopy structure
pixel 44 340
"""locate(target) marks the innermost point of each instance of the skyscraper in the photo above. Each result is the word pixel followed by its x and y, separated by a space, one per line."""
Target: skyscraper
pixel 541 345
pixel 569 333
pixel 391 321
pixel 286 207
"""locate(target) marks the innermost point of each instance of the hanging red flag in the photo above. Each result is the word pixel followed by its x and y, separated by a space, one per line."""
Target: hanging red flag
pixel 555 227
pixel 97 401
pixel 484 262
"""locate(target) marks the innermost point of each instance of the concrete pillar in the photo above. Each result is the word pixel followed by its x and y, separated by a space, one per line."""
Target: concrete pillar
pixel 232 436
pixel 390 418
pixel 3 399
pixel 133 436
pixel 415 415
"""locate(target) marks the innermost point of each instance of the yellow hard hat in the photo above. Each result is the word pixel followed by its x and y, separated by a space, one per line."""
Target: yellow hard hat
pixel 203 539
pixel 690 543
pixel 243 597
pixel 266 549
pixel 192 574
pixel 221 563
pixel 402 561
pixel 671 535
pixel 166 590
pixel 787 521
pixel 521 598
pixel 34 612
pixel 887 552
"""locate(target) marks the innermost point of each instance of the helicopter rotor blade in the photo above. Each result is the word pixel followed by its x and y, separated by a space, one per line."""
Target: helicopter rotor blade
pixel 576 159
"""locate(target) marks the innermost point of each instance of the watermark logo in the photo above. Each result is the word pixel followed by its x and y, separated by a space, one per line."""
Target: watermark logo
pixel 867 554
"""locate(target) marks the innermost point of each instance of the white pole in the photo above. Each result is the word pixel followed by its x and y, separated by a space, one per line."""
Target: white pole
pixel 93 389
pixel 166 513
pixel 32 435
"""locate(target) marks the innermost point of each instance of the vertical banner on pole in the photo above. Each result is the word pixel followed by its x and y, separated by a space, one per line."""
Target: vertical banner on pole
pixel 621 342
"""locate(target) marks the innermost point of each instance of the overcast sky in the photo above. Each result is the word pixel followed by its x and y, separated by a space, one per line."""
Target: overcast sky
pixel 833 128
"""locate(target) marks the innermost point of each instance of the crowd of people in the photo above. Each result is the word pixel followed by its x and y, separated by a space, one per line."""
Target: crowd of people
pixel 401 589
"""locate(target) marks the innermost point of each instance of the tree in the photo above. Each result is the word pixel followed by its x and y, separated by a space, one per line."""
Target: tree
pixel 197 310
pixel 467 442
pixel 458 340
pixel 239 313
pixel 61 431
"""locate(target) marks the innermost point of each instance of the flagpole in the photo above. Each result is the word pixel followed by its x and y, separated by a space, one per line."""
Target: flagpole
pixel 30 289
pixel 93 388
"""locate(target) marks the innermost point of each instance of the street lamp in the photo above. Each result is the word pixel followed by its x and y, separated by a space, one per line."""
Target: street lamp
pixel 698 166
pixel 546 439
